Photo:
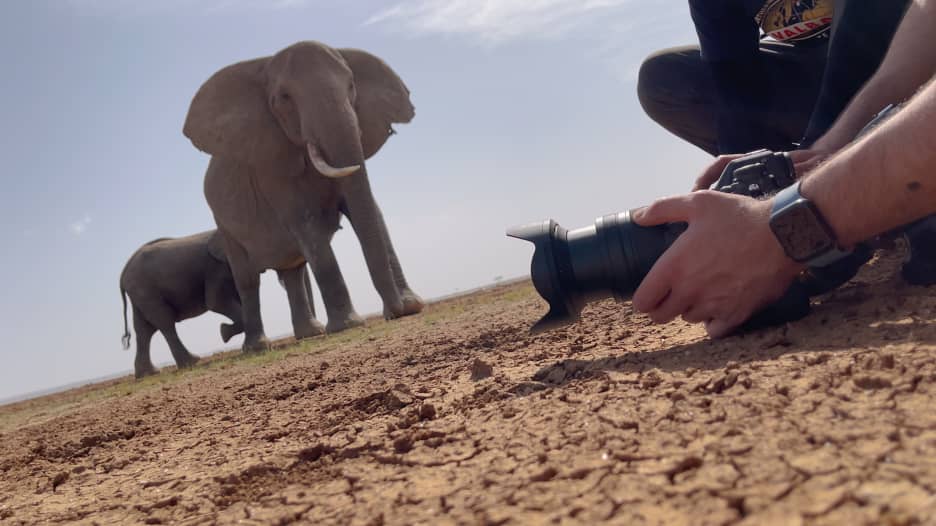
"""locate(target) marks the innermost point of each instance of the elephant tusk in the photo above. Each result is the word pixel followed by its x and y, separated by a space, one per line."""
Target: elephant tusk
pixel 326 169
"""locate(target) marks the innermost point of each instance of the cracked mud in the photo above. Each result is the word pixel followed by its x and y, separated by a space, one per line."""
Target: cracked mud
pixel 459 416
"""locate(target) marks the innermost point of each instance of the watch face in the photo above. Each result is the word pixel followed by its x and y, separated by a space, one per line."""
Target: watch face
pixel 801 232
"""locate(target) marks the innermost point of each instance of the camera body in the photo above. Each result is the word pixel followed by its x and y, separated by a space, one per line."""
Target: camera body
pixel 758 174
pixel 610 258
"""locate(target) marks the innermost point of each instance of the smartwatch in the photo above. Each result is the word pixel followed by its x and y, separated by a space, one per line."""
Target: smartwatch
pixel 803 233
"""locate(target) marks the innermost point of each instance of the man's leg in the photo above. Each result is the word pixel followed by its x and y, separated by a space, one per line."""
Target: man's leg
pixel 676 89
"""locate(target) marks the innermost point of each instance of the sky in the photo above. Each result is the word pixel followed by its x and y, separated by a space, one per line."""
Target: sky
pixel 525 110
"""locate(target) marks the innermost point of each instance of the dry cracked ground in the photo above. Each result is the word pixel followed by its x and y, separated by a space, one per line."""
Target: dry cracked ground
pixel 459 416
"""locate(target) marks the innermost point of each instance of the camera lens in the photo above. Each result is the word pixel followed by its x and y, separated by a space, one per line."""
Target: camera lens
pixel 610 258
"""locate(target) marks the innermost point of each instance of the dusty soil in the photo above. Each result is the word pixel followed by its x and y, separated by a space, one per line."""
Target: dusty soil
pixel 459 416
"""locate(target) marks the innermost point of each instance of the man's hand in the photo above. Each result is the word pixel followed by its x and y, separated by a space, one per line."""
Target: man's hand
pixel 805 161
pixel 722 269
pixel 714 171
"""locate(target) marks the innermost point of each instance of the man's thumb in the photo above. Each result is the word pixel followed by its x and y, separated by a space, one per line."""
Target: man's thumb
pixel 666 210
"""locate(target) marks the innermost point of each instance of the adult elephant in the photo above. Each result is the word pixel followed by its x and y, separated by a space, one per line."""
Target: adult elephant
pixel 288 137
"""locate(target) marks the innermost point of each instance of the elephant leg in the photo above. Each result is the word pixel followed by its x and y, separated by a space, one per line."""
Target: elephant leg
pixel 227 305
pixel 247 281
pixel 412 303
pixel 183 358
pixel 142 364
pixel 338 307
pixel 304 325
pixel 307 283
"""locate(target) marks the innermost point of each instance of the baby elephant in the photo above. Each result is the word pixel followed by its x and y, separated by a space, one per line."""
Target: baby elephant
pixel 173 279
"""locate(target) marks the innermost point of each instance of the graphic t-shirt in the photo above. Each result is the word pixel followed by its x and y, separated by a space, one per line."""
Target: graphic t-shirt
pixel 795 20
pixel 730 29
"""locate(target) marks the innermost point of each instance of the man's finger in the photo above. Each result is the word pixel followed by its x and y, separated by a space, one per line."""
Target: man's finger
pixel 722 327
pixel 657 284
pixel 697 314
pixel 666 210
pixel 674 304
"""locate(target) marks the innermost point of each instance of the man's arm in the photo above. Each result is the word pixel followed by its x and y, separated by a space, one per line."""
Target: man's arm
pixel 910 62
pixel 728 264
pixel 884 180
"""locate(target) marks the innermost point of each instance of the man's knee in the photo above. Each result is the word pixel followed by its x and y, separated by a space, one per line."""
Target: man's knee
pixel 666 80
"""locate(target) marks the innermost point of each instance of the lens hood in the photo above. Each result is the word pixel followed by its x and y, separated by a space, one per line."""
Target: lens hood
pixel 551 272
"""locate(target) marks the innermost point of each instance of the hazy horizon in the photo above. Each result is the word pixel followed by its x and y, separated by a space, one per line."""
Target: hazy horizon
pixel 525 109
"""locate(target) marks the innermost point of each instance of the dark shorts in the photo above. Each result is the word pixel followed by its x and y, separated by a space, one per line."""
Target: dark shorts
pixel 676 89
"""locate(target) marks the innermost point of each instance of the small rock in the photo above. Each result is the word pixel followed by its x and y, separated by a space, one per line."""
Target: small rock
pixel 403 444
pixel 730 379
pixel 59 479
pixel 481 370
pixel 887 361
pixel 427 411
pixel 311 454
pixel 676 396
pixel 872 382
pixel 555 376
pixel 816 359
pixel 651 379
pixel 545 475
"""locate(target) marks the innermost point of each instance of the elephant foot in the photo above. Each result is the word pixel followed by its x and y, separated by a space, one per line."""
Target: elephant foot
pixel 342 324
pixel 142 371
pixel 409 304
pixel 310 330
pixel 187 362
pixel 229 330
pixel 254 345
pixel 412 303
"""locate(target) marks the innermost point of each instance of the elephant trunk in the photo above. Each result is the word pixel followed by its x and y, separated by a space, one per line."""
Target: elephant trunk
pixel 368 223
pixel 343 150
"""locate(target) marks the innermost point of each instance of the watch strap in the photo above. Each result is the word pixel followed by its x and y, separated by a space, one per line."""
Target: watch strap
pixel 791 195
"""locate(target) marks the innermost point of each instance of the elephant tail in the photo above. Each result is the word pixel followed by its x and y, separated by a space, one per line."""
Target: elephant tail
pixel 126 335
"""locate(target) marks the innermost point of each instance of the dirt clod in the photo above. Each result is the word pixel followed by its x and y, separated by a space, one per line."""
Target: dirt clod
pixel 59 479
pixel 872 382
pixel 481 370
pixel 427 411
pixel 547 474
pixel 403 444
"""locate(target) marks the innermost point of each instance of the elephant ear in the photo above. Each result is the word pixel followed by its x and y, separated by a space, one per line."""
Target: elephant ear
pixel 216 247
pixel 382 98
pixel 230 117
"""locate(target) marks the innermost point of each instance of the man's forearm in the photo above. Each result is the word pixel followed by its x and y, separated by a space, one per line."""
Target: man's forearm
pixel 884 180
pixel 910 62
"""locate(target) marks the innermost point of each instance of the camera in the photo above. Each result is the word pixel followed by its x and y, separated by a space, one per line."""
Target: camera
pixel 610 258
